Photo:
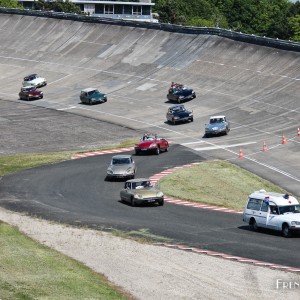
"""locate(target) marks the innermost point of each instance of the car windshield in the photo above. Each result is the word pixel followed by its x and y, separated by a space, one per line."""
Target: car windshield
pixel 178 109
pixel 29 89
pixel 121 161
pixel 29 78
pixel 216 120
pixel 93 92
pixel 289 209
pixel 141 184
pixel 147 137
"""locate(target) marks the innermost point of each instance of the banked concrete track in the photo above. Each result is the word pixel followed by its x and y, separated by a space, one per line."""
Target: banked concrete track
pixel 256 87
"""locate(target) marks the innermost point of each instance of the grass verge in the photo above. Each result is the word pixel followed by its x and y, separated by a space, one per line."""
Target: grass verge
pixel 217 183
pixel 32 271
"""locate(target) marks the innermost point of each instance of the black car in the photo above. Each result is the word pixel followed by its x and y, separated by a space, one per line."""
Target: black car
pixel 179 93
pixel 178 113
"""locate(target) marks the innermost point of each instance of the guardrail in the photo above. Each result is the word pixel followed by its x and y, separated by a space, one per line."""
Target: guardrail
pixel 237 36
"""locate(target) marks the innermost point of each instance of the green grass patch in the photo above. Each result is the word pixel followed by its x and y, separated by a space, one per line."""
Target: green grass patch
pixel 217 183
pixel 32 271
pixel 15 163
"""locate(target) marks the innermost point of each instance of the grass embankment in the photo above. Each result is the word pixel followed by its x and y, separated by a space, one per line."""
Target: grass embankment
pixel 217 183
pixel 32 271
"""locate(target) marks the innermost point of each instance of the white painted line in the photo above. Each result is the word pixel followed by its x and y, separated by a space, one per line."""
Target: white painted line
pixel 216 147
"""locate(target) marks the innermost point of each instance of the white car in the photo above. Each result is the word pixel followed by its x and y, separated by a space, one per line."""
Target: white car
pixel 34 80
pixel 275 211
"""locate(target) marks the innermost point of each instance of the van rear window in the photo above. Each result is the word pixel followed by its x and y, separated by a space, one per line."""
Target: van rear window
pixel 254 204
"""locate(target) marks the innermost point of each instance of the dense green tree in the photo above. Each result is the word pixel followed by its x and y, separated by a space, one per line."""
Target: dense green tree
pixel 294 23
pixel 58 6
pixel 10 4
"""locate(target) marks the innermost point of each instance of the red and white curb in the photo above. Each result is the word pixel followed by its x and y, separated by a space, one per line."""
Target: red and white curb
pixel 230 257
pixel 155 178
pixel 88 154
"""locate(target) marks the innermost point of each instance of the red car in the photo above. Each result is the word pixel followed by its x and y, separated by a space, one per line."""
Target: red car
pixel 151 143
pixel 30 93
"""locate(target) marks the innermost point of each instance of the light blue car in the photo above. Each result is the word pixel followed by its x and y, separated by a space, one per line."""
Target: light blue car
pixel 218 125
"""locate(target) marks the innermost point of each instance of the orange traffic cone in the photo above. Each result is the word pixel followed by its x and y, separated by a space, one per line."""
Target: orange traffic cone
pixel 241 155
pixel 265 148
pixel 284 141
pixel 298 131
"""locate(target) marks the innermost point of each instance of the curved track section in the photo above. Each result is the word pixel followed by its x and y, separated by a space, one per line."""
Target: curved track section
pixel 76 192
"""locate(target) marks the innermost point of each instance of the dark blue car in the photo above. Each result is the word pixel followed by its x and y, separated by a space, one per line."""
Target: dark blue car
pixel 178 113
pixel 180 93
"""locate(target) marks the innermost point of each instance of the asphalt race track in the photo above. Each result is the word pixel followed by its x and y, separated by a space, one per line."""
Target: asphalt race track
pixel 256 87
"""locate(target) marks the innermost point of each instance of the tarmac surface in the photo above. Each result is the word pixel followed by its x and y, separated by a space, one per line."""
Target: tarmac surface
pixel 257 88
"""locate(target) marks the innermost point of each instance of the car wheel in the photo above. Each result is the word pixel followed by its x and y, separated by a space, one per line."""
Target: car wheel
pixel 166 150
pixel 132 202
pixel 42 97
pixel 286 231
pixel 192 119
pixel 137 152
pixel 194 96
pixel 254 225
pixel 179 101
pixel 28 98
pixel 90 102
pixel 161 203
pixel 157 150
pixel 173 121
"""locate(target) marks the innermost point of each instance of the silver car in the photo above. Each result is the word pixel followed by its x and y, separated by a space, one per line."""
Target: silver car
pixel 141 191
pixel 218 125
pixel 121 166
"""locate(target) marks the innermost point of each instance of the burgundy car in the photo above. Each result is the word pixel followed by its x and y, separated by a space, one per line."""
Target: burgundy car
pixel 30 93
pixel 151 143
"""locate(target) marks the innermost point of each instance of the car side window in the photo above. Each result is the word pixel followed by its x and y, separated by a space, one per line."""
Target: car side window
pixel 254 204
pixel 274 210
pixel 264 206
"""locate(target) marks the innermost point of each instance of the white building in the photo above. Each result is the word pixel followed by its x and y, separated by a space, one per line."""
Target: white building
pixel 140 10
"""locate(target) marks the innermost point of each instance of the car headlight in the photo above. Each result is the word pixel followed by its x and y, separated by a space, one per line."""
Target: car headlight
pixel 190 115
pixel 294 223
pixel 176 118
pixel 181 97
pixel 160 194
pixel 153 145
pixel 30 95
pixel 109 171
pixel 138 196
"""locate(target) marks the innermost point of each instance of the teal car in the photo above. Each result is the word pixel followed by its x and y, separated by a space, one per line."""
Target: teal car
pixel 92 96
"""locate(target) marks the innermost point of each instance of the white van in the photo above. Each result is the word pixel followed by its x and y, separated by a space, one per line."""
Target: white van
pixel 275 211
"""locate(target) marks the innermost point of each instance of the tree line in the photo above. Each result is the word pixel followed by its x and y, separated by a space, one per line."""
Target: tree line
pixel 271 18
